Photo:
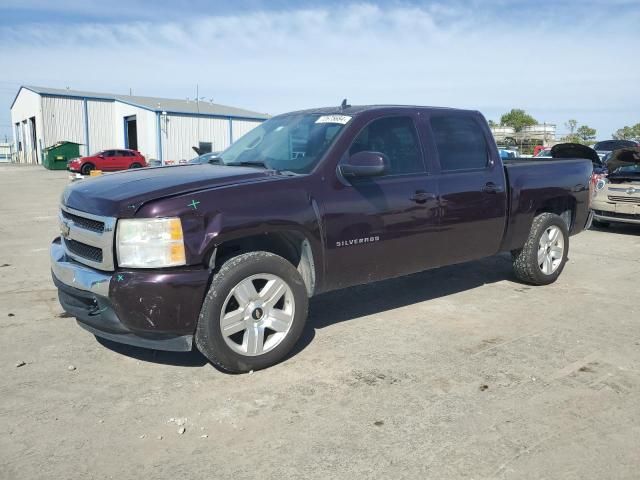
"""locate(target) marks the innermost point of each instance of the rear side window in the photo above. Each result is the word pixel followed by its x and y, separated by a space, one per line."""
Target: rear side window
pixel 397 138
pixel 460 142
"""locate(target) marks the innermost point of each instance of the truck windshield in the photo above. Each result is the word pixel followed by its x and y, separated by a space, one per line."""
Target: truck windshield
pixel 293 143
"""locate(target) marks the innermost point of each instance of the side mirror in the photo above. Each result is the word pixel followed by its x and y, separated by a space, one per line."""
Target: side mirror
pixel 101 155
pixel 365 164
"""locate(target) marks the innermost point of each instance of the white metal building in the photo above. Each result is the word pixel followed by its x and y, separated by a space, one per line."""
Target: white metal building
pixel 160 128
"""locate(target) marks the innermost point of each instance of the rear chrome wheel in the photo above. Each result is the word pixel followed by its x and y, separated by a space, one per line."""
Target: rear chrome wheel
pixel 257 314
pixel 550 250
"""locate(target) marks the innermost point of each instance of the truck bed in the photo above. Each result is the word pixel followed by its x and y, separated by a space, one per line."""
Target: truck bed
pixel 534 183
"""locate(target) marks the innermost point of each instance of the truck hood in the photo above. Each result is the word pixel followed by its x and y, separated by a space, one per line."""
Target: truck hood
pixel 625 157
pixel 122 194
pixel 575 150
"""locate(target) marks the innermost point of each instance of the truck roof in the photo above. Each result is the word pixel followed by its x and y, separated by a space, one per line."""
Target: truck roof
pixel 357 109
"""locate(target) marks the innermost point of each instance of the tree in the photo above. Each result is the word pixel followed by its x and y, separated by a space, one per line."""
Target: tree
pixel 586 133
pixel 628 133
pixel 492 124
pixel 517 119
pixel 571 126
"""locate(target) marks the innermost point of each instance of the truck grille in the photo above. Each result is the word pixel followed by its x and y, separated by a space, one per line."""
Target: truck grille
pixel 83 250
pixel 87 223
pixel 614 198
pixel 88 238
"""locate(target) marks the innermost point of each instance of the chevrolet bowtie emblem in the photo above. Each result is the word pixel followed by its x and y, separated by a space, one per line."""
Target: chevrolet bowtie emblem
pixel 64 229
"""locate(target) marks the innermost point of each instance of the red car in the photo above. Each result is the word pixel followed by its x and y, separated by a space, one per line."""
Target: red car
pixel 108 161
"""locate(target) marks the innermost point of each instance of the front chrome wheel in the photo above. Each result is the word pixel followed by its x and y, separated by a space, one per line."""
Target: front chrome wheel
pixel 257 314
pixel 550 250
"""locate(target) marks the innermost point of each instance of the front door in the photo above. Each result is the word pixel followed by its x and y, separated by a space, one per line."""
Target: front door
pixel 471 184
pixel 380 227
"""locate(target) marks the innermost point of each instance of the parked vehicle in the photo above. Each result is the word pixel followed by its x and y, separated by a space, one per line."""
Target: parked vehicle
pixel 108 161
pixel 226 255
pixel 607 146
pixel 543 153
pixel 505 154
pixel 537 149
pixel 617 194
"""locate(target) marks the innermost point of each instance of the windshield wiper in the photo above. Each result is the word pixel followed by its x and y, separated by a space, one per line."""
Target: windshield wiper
pixel 256 163
pixel 259 163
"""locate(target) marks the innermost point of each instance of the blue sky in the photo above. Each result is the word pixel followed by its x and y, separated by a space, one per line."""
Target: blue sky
pixel 558 60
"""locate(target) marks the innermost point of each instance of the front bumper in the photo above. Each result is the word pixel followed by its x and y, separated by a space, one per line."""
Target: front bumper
pixel 150 309
pixel 605 216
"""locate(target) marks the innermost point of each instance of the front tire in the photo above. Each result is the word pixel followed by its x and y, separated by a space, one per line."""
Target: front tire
pixel 86 169
pixel 135 165
pixel 253 314
pixel 544 254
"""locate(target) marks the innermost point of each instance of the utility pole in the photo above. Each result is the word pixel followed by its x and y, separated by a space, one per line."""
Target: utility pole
pixel 198 109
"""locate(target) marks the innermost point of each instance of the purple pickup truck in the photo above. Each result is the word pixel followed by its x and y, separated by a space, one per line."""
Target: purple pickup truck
pixel 225 255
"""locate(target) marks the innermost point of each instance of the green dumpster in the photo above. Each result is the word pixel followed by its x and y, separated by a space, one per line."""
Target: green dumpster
pixel 56 156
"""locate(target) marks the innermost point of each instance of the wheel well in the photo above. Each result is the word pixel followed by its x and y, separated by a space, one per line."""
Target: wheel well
pixel 290 245
pixel 564 207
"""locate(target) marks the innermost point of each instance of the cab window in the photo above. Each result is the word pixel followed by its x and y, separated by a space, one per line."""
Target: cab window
pixel 397 138
pixel 460 142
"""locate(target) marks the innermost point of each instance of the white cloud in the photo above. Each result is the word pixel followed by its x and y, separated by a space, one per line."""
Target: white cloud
pixel 274 61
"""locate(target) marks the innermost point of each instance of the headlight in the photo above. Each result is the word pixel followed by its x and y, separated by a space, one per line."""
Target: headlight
pixel 600 184
pixel 150 243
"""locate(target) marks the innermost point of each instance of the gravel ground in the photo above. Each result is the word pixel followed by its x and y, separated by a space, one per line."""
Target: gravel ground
pixel 459 372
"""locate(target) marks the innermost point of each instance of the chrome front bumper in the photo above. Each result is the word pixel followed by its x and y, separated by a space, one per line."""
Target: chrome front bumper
pixel 603 217
pixel 87 295
pixel 76 275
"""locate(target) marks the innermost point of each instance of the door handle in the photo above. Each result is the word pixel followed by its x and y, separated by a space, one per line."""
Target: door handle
pixel 491 187
pixel 421 196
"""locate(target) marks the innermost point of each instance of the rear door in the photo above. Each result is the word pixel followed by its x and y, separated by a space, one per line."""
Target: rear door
pixel 471 185
pixel 122 159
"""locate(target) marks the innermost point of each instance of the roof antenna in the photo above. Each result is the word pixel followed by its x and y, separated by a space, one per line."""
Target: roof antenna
pixel 344 104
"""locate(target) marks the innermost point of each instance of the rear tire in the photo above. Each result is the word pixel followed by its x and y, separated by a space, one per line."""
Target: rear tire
pixel 86 168
pixel 544 254
pixel 261 300
pixel 135 165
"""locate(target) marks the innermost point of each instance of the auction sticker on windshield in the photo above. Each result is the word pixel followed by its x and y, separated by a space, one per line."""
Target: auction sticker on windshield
pixel 342 119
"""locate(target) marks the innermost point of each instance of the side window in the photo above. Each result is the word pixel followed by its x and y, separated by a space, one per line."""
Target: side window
pixel 460 142
pixel 109 153
pixel 397 138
